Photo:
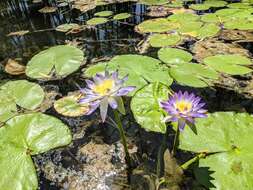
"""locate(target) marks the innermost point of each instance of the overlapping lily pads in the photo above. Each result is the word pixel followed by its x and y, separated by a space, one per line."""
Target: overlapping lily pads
pixel 140 69
pixel 227 136
pixel 55 63
pixel 22 137
pixel 25 94
pixel 146 109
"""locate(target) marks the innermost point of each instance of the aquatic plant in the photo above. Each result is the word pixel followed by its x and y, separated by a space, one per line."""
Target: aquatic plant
pixel 183 108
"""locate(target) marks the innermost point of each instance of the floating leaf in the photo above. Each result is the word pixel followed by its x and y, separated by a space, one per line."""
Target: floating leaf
pixel 55 62
pixel 208 30
pixel 141 69
pixel 21 137
pixel 97 21
pixel 190 28
pixel 13 67
pixel 122 16
pixel 200 7
pixel 146 109
pixel 229 64
pixel 174 56
pixel 156 25
pixel 48 9
pixel 67 27
pixel 212 18
pixel 104 14
pixel 230 135
pixel 153 2
pixel 69 106
pixel 183 17
pixel 194 75
pixel 162 40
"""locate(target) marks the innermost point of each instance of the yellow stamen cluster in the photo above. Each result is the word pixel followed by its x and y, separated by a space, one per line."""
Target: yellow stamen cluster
pixel 104 88
pixel 183 106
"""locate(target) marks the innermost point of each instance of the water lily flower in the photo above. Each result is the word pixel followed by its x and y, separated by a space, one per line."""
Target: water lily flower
pixel 183 108
pixel 105 89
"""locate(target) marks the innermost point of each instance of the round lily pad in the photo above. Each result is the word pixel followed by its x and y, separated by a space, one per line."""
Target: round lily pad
pixel 210 18
pixel 122 16
pixel 66 27
pixel 183 17
pixel 146 109
pixel 55 63
pixel 174 56
pixel 162 40
pixel 104 14
pixel 156 25
pixel 97 21
pixel 227 136
pixel 22 137
pixel 69 106
pixel 208 30
pixel 200 7
pixel 229 64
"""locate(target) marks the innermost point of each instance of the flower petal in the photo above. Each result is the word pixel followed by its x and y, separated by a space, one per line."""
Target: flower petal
pixel 113 103
pixel 181 124
pixel 103 108
pixel 125 90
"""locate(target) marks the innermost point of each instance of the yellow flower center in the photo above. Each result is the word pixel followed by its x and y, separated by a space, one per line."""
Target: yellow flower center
pixel 104 87
pixel 183 106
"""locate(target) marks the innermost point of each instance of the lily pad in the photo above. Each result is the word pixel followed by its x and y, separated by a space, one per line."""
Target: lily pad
pixel 97 21
pixel 158 25
pixel 22 137
pixel 194 75
pixel 66 27
pixel 200 7
pixel 140 69
pixel 228 136
pixel 104 14
pixel 153 2
pixel 69 106
pixel 146 109
pixel 229 64
pixel 162 40
pixel 122 16
pixel 174 56
pixel 25 94
pixel 183 17
pixel 55 63
pixel 208 30
pixel 210 18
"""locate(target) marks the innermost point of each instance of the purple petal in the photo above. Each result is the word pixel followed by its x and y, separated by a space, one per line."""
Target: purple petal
pixel 98 78
pixel 113 103
pixel 103 108
pixel 115 75
pixel 90 83
pixel 125 90
pixel 198 115
pixel 93 106
pixel 181 124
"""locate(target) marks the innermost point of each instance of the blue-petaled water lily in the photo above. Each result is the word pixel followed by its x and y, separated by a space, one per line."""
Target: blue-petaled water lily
pixel 105 89
pixel 183 108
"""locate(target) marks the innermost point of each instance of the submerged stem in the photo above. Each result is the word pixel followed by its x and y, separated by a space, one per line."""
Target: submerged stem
pixel 122 137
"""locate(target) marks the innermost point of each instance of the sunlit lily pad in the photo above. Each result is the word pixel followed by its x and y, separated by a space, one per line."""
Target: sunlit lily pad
pixel 156 25
pixel 69 106
pixel 97 21
pixel 230 135
pixel 194 75
pixel 146 109
pixel 104 14
pixel 66 27
pixel 22 137
pixel 25 94
pixel 122 16
pixel 162 40
pixel 200 7
pixel 174 56
pixel 153 2
pixel 190 28
pixel 140 69
pixel 55 62
pixel 215 3
pixel 208 30
pixel 183 17
pixel 210 18
pixel 239 5
pixel 229 64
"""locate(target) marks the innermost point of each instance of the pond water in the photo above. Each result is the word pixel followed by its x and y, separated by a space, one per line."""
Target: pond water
pixel 95 157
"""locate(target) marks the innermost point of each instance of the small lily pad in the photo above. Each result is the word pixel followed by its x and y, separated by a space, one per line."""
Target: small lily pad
pixel 229 64
pixel 97 21
pixel 104 14
pixel 66 27
pixel 174 56
pixel 122 16
pixel 162 40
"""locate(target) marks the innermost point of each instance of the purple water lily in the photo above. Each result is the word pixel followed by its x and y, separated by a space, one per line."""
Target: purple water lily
pixel 183 108
pixel 105 89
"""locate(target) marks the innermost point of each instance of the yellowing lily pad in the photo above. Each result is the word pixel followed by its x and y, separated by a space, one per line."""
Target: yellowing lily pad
pixel 97 21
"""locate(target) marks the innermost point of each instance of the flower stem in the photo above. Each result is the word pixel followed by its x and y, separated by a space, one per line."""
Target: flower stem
pixel 122 137
pixel 189 162
pixel 175 142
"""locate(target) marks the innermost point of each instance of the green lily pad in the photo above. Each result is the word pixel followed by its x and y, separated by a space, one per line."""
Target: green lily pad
pixel 208 30
pixel 210 18
pixel 97 21
pixel 200 7
pixel 190 27
pixel 21 137
pixel 66 27
pixel 194 75
pixel 104 14
pixel 156 25
pixel 55 63
pixel 183 17
pixel 153 2
pixel 240 24
pixel 122 16
pixel 162 40
pixel 215 3
pixel 25 94
pixel 230 135
pixel 239 5
pixel 140 69
pixel 229 64
pixel 146 109
pixel 69 106
pixel 174 56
